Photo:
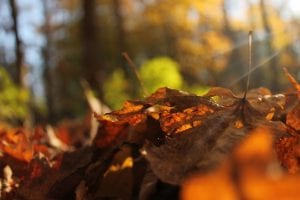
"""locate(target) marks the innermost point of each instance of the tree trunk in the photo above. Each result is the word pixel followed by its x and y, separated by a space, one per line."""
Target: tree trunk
pixel 273 64
pixel 46 52
pixel 19 78
pixel 19 63
pixel 120 30
pixel 121 47
pixel 236 67
pixel 92 67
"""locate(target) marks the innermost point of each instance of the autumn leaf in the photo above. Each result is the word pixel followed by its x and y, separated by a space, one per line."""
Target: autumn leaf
pixel 205 136
pixel 154 145
pixel 288 146
pixel 288 152
pixel 206 128
pixel 16 144
pixel 251 172
pixel 293 117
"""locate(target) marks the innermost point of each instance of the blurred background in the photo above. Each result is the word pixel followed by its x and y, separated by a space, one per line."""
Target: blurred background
pixel 57 56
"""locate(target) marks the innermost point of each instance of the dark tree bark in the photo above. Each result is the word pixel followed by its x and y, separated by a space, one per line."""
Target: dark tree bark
pixel 46 53
pixel 120 36
pixel 92 67
pixel 122 47
pixel 120 30
pixel 236 67
pixel 19 78
pixel 273 64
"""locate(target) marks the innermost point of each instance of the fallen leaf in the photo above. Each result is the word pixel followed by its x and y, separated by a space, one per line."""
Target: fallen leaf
pixel 252 172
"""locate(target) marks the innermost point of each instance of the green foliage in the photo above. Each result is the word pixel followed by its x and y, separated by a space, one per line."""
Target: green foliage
pixel 161 72
pixel 198 90
pixel 13 100
pixel 115 89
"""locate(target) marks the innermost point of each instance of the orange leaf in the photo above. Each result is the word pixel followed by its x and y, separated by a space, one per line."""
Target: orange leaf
pixel 17 145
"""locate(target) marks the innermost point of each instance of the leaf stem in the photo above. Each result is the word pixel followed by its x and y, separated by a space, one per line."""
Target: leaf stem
pixel 249 63
pixel 134 69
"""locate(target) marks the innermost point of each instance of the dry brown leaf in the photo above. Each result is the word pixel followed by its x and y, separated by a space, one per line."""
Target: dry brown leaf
pixel 251 173
pixel 203 147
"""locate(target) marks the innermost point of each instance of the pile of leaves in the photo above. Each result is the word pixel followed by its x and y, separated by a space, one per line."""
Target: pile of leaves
pixel 172 144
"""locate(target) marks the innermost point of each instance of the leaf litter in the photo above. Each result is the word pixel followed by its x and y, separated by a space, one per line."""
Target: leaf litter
pixel 170 145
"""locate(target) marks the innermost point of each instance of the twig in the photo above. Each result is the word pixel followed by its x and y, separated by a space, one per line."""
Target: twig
pixel 134 69
pixel 249 63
